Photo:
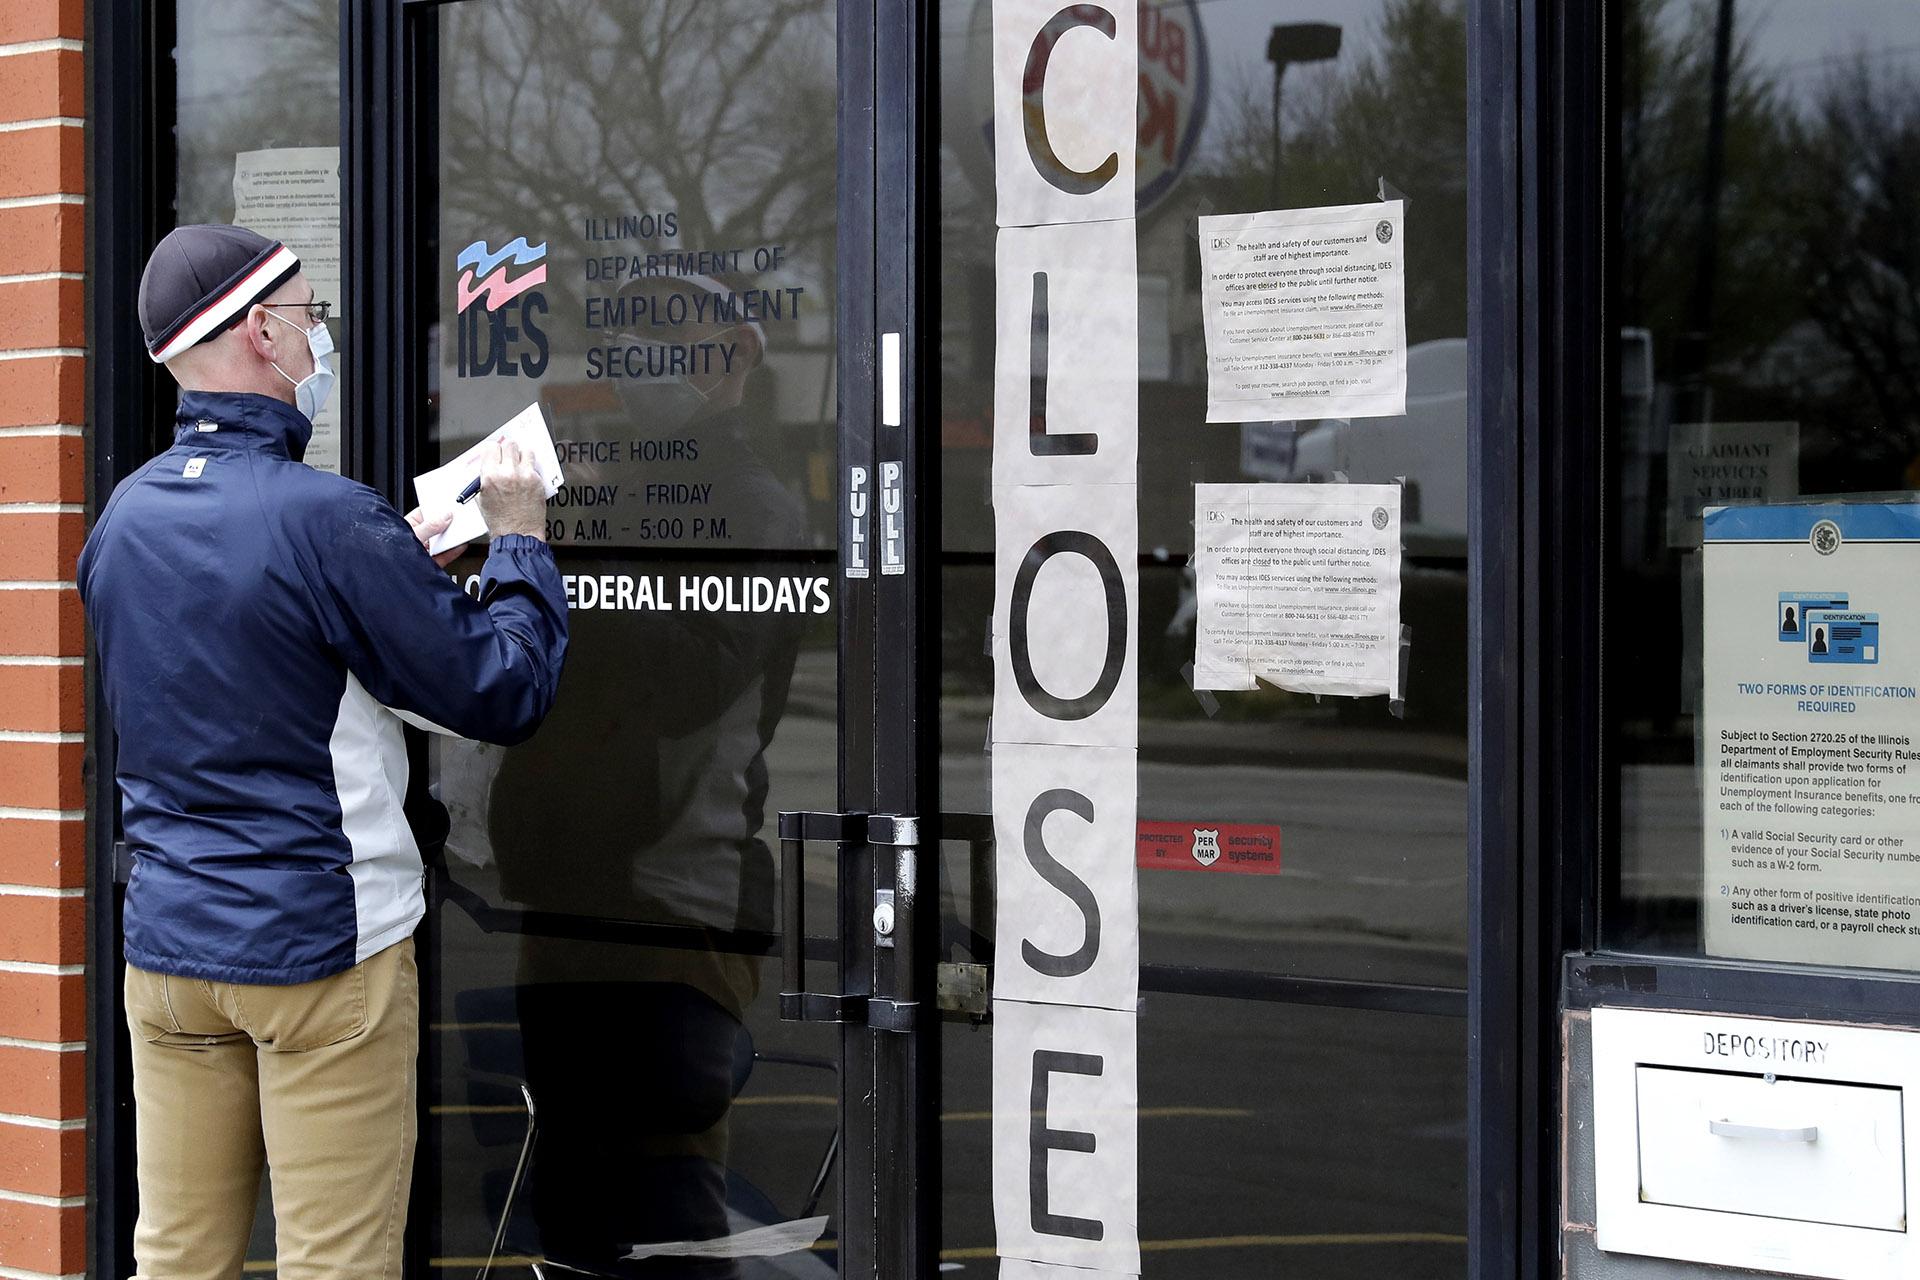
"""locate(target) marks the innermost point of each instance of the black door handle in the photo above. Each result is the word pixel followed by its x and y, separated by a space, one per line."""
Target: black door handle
pixel 797 1004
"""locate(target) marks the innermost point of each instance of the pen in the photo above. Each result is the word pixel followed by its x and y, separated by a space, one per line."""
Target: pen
pixel 467 494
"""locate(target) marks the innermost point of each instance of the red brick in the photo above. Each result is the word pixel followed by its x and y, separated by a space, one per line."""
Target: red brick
pixel 42 237
pixel 43 1162
pixel 46 699
pixel 40 86
pixel 42 930
pixel 49 1083
pixel 41 546
pixel 24 20
pixel 42 623
pixel 43 469
pixel 43 390
pixel 43 162
pixel 48 852
pixel 42 313
pixel 37 1237
pixel 42 775
pixel 43 1006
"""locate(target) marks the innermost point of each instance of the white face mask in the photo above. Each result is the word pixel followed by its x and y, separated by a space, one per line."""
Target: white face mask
pixel 310 393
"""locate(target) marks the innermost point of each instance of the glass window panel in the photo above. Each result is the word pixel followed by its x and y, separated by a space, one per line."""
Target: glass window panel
pixel 258 143
pixel 1762 270
pixel 1237 1141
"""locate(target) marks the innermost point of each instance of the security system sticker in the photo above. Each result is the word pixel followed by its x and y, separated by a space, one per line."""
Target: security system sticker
pixel 1843 637
pixel 1240 848
pixel 1792 613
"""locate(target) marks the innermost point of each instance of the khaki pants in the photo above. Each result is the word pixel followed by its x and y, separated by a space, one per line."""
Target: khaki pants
pixel 315 1081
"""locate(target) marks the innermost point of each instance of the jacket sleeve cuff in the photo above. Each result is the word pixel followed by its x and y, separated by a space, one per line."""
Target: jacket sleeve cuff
pixel 510 542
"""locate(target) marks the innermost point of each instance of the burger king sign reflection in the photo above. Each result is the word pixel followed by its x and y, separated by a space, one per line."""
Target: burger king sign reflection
pixel 1174 84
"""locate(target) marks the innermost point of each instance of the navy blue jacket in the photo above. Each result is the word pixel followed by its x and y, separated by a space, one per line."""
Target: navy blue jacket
pixel 259 625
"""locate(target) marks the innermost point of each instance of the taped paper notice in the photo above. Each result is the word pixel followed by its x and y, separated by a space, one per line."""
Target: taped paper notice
pixel 1727 464
pixel 755 1242
pixel 1067 919
pixel 1066 1138
pixel 292 194
pixel 1305 313
pixel 1810 762
pixel 1065 82
pixel 1297 585
pixel 438 490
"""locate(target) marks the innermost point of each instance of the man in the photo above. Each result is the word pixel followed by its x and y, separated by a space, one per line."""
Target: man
pixel 261 628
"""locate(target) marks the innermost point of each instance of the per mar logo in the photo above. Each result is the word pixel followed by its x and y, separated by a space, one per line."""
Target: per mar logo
pixel 500 310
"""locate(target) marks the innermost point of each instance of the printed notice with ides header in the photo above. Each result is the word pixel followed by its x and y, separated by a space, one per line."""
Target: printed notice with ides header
pixel 439 490
pixel 1297 585
pixel 292 194
pixel 1810 739
pixel 1305 313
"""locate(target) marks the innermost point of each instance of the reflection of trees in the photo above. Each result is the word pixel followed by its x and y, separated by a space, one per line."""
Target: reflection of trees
pixel 1855 201
pixel 253 74
pixel 719 110
pixel 1666 64
pixel 1815 239
pixel 1398 111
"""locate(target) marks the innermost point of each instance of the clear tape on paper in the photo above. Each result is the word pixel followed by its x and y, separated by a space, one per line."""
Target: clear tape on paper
pixel 1208 703
pixel 1397 706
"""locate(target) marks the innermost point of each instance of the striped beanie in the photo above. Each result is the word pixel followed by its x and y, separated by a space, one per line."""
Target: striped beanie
pixel 200 282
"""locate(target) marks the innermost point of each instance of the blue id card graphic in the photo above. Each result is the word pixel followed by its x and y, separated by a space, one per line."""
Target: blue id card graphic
pixel 1835 636
pixel 1791 615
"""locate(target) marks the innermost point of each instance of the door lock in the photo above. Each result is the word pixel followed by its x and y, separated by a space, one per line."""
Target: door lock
pixel 883 917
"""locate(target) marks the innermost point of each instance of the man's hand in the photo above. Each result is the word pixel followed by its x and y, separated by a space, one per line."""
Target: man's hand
pixel 427 530
pixel 513 497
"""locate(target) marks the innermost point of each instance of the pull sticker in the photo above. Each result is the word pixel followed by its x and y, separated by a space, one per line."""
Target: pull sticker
pixel 893 521
pixel 859 496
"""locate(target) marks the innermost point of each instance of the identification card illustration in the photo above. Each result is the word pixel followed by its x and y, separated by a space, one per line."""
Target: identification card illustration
pixel 1793 611
pixel 1843 637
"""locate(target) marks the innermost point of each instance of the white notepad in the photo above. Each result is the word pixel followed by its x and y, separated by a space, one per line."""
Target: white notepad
pixel 439 489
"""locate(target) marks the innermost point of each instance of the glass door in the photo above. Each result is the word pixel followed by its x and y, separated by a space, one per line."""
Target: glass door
pixel 629 212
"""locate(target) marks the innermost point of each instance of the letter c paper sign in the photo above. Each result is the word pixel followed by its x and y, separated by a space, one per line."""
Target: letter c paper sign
pixel 1072 158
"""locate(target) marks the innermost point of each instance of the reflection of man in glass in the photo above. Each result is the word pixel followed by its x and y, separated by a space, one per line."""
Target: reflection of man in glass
pixel 642 800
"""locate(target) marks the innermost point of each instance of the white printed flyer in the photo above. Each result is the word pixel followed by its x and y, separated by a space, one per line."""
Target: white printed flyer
pixel 1305 313
pixel 1297 585
pixel 1810 735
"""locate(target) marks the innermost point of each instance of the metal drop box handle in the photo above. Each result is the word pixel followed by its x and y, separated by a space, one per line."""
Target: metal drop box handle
pixel 1764 1133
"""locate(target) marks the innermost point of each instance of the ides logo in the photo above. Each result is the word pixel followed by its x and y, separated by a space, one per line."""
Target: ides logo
pixel 504 335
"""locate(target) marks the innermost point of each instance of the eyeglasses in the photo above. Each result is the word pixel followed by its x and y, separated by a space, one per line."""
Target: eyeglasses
pixel 317 312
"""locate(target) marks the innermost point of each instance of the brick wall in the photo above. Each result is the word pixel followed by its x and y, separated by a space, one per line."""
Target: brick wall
pixel 42 712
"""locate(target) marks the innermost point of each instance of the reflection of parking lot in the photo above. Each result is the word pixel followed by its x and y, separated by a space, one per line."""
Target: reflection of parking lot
pixel 1273 1139
pixel 1272 1136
